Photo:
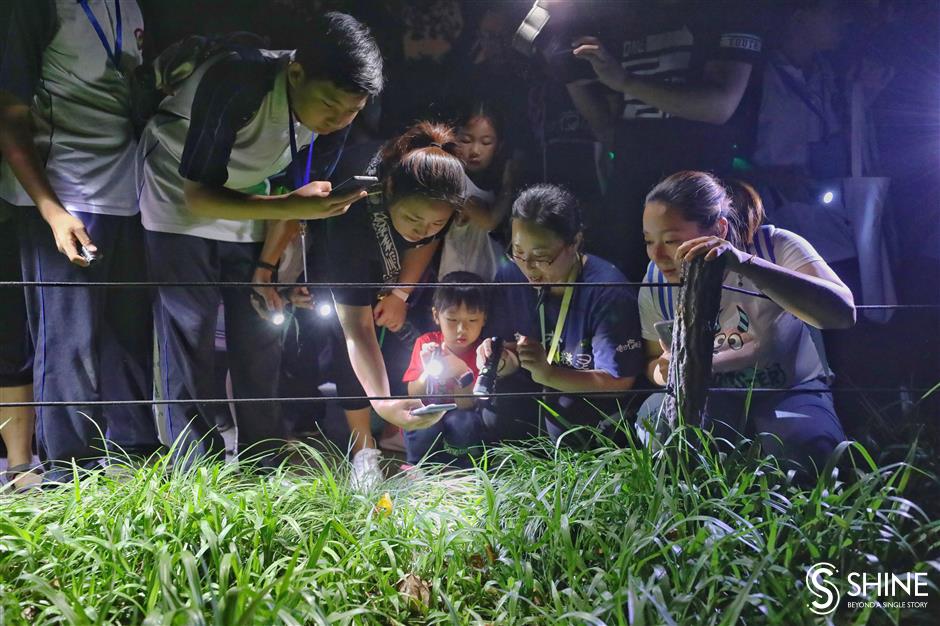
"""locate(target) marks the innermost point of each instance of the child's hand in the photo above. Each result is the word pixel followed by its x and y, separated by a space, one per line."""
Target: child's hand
pixel 428 350
pixel 454 366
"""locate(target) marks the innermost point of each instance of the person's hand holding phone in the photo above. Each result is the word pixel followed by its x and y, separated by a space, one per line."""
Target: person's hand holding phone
pixel 398 412
pixel 316 201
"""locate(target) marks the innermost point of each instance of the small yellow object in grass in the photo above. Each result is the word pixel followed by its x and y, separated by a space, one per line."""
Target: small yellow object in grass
pixel 384 505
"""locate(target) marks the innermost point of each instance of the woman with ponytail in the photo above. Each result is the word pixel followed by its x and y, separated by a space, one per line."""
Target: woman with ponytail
pixel 763 341
pixel 389 237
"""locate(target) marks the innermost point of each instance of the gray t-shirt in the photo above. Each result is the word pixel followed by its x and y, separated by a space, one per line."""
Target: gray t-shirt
pixel 773 348
pixel 53 59
pixel 227 125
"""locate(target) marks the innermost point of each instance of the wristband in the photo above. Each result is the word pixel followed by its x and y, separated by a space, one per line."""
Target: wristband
pixel 401 294
pixel 266 266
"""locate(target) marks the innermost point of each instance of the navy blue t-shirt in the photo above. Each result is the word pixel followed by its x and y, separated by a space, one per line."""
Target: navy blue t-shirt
pixel 601 331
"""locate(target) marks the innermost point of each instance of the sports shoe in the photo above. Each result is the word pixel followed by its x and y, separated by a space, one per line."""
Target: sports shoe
pixel 366 473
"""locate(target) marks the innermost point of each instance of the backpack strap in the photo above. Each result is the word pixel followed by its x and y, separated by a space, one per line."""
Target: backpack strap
pixel 660 291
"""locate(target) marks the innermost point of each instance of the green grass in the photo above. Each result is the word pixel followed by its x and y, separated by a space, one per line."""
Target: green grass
pixel 535 536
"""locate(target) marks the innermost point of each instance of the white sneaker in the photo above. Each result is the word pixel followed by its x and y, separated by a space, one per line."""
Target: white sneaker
pixel 366 473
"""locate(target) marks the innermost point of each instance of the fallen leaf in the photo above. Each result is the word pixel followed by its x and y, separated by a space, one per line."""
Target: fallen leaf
pixel 417 590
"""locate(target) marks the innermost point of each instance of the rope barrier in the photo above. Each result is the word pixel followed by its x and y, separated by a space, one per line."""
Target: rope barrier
pixel 152 285
pixel 247 284
pixel 512 394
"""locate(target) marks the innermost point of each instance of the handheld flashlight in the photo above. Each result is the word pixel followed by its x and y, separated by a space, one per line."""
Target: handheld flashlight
pixel 486 381
pixel 434 367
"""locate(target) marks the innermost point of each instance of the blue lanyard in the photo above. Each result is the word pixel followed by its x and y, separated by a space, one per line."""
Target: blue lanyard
pixel 115 54
pixel 299 181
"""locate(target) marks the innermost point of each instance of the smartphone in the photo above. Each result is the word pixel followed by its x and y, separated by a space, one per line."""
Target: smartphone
pixel 664 330
pixel 433 408
pixel 354 183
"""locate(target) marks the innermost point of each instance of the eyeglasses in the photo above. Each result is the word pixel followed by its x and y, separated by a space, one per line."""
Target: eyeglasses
pixel 536 264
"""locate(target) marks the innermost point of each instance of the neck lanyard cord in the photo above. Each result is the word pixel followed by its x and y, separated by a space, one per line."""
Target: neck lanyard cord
pixel 562 315
pixel 115 53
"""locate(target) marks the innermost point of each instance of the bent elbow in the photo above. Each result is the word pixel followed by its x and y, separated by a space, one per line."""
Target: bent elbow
pixel 719 114
pixel 840 319
pixel 848 316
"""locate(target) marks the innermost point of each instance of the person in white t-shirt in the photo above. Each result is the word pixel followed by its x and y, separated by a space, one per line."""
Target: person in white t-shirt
pixel 470 244
pixel 68 145
pixel 204 168
pixel 762 341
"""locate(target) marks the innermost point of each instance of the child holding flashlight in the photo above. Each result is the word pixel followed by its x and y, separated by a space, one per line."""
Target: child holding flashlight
pixel 443 365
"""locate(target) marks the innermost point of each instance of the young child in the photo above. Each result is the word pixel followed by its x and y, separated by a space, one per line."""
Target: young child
pixel 472 242
pixel 443 364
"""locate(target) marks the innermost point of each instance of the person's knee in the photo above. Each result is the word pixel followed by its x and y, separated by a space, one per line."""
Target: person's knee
pixel 464 428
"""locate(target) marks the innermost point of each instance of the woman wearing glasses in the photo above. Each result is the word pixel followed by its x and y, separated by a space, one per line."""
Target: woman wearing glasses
pixel 573 338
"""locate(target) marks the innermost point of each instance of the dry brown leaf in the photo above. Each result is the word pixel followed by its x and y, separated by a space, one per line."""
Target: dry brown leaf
pixel 490 553
pixel 417 590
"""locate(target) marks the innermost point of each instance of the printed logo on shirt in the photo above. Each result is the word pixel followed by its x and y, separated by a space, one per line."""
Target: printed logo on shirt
pixel 381 224
pixel 772 376
pixel 632 344
pixel 577 361
pixel 741 41
pixel 744 322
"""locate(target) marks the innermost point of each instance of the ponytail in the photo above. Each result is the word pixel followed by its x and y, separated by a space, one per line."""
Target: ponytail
pixel 421 161
pixel 746 212
pixel 703 198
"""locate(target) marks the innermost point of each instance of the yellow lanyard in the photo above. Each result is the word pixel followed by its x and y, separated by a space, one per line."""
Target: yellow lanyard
pixel 562 315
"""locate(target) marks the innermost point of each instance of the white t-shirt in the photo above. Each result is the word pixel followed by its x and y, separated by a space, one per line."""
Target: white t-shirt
pixel 469 248
pixel 775 348
pixel 260 149
pixel 81 107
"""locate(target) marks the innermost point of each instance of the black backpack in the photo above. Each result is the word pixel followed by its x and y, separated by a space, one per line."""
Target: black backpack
pixel 152 82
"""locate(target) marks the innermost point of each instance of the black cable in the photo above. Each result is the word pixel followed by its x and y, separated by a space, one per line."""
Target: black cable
pixel 514 394
pixel 152 284
pixel 243 284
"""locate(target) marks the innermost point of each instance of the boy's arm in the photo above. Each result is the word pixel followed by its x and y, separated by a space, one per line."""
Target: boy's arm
pixel 229 93
pixel 311 202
